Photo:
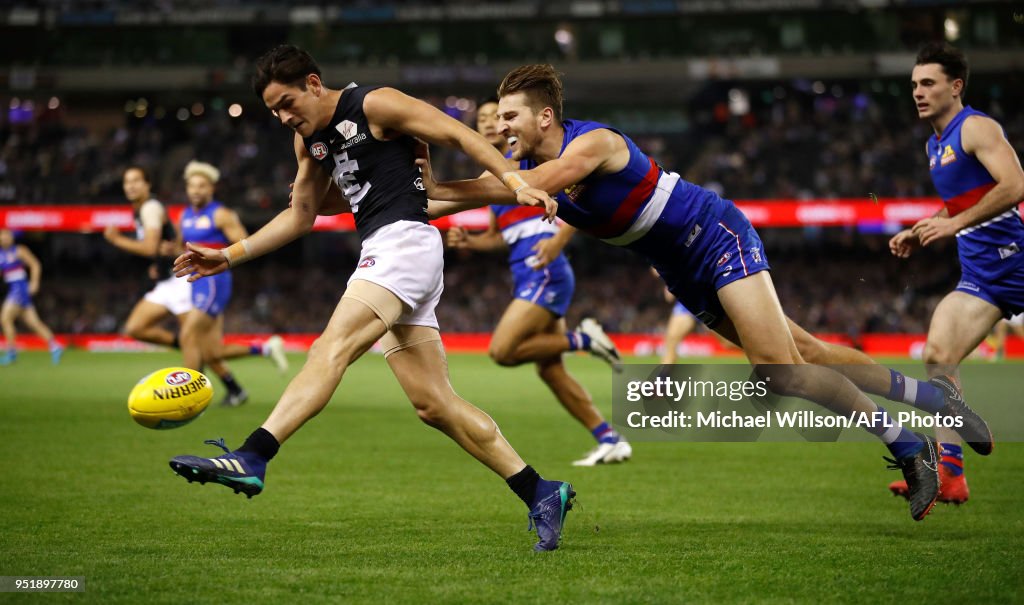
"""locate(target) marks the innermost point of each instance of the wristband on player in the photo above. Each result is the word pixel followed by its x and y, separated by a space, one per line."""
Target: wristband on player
pixel 514 182
pixel 237 253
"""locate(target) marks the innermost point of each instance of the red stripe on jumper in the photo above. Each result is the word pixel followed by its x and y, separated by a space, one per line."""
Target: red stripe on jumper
pixel 518 214
pixel 959 203
pixel 622 219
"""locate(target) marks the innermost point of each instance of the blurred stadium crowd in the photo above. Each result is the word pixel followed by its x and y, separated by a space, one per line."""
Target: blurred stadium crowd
pixel 758 138
pixel 797 145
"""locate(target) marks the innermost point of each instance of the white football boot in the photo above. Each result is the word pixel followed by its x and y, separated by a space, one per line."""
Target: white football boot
pixel 607 453
pixel 601 346
pixel 274 346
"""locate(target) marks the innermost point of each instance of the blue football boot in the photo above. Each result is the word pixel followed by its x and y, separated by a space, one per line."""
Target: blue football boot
pixel 241 471
pixel 547 515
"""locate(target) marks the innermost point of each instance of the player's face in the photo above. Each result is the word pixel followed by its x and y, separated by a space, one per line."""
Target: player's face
pixel 520 126
pixel 6 238
pixel 487 125
pixel 934 92
pixel 135 186
pixel 295 107
pixel 199 190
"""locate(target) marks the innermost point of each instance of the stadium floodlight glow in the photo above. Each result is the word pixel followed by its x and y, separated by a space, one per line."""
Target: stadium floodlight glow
pixel 564 37
pixel 952 27
pixel 129 106
pixel 15 103
pixel 451 101
pixel 462 104
pixel 739 102
pixel 818 87
pixel 54 103
pixel 235 110
pixel 182 114
pixel 198 109
pixel 142 104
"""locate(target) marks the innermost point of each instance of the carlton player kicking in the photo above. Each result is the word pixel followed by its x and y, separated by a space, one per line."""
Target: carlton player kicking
pixel 361 138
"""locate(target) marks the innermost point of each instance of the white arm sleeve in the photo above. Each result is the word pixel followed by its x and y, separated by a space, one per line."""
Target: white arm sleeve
pixel 152 216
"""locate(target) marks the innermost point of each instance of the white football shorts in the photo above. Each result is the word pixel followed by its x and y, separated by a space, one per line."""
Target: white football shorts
pixel 173 294
pixel 406 258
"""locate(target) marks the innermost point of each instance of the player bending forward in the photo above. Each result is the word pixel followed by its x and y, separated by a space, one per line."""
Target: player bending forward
pixel 362 139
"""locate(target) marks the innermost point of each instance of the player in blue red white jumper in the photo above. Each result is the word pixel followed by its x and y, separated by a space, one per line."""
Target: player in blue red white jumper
pixel 533 327
pixel 22 272
pixel 979 178
pixel 702 246
pixel 208 222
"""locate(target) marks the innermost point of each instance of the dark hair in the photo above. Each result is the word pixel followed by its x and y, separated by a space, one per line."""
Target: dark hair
pixel 142 171
pixel 953 62
pixel 285 64
pixel 541 85
pixel 486 100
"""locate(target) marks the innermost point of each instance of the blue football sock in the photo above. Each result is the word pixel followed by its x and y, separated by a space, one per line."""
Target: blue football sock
pixel 578 341
pixel 901 442
pixel 922 395
pixel 604 433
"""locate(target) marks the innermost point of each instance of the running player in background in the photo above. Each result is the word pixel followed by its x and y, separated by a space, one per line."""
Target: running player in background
pixel 22 285
pixel 979 177
pixel 533 328
pixel 207 222
pixel 169 296
pixel 362 139
pixel 702 246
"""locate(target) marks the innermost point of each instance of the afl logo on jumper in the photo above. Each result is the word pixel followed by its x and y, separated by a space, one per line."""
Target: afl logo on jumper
pixel 318 151
pixel 367 262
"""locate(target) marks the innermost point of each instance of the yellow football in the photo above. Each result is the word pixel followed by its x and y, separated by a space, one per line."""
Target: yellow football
pixel 169 398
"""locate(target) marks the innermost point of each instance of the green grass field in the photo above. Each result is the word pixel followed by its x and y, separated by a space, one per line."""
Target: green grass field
pixel 365 504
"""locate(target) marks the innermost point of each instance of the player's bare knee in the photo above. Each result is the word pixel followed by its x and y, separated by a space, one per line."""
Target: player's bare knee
pixel 502 355
pixel 812 350
pixel 334 352
pixel 431 407
pixel 937 354
pixel 133 330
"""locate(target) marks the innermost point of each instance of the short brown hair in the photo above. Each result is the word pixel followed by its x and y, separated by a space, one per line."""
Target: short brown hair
pixel 142 171
pixel 285 64
pixel 952 61
pixel 541 84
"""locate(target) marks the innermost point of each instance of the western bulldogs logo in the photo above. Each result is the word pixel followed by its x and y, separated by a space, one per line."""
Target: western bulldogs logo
pixel 724 258
pixel 367 262
pixel 755 253
pixel 178 378
pixel 318 151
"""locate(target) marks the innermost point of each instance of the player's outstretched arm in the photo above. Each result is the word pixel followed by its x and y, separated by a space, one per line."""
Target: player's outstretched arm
pixel 297 220
pixel 390 109
pixel 599 151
